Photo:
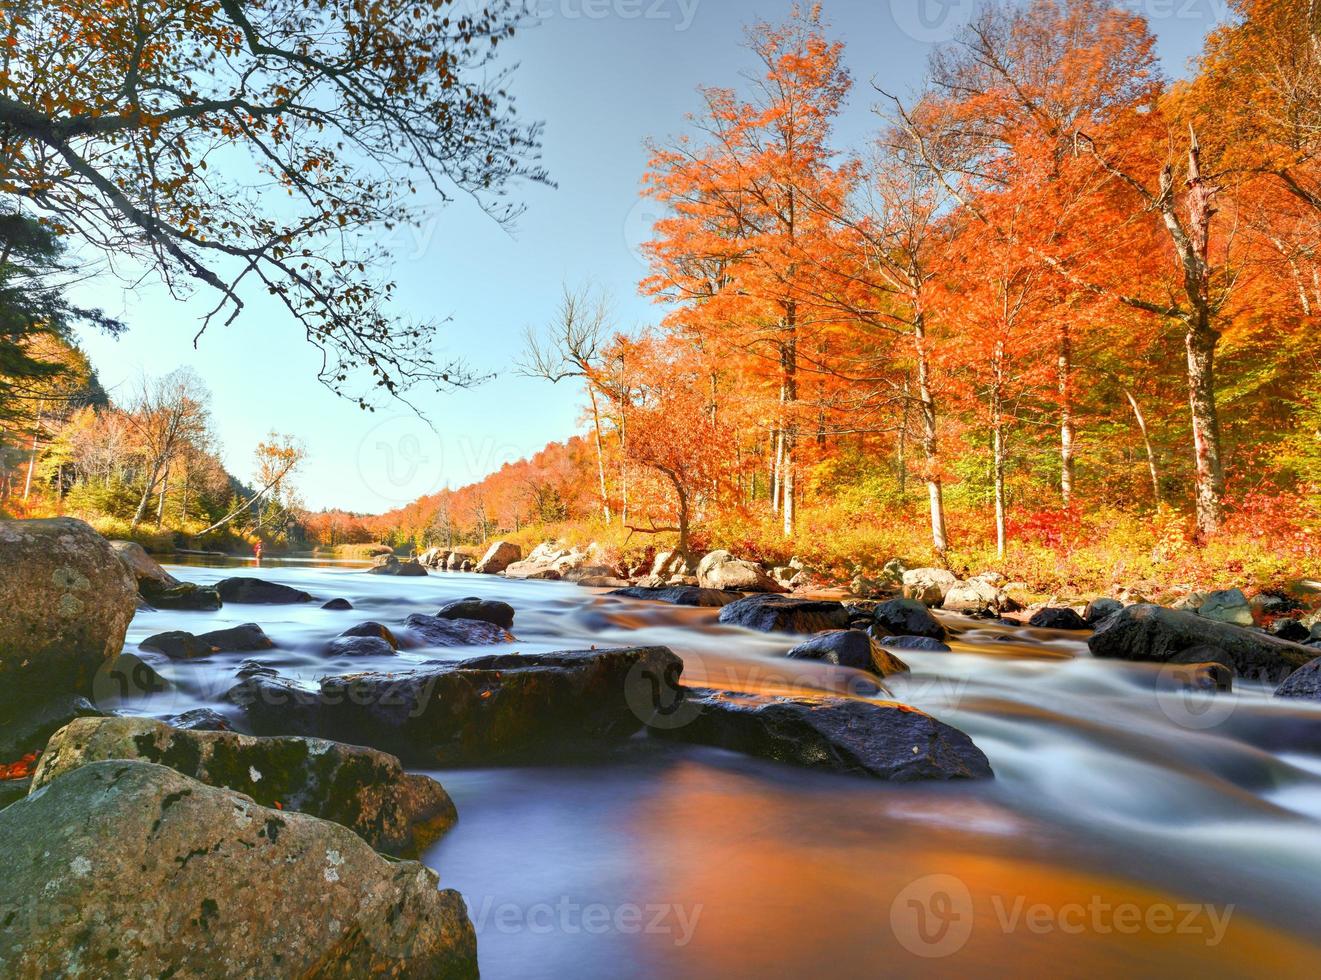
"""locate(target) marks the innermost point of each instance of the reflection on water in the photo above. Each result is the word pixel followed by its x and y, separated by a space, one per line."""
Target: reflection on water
pixel 1132 826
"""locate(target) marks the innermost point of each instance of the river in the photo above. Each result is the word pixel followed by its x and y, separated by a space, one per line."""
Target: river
pixel 1132 826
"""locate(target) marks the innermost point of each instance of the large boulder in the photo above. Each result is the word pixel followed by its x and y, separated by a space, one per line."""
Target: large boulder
pixel 849 648
pixel 438 631
pixel 976 597
pixel 132 869
pixel 359 788
pixel 928 585
pixel 144 569
pixel 1058 618
pixel 483 610
pixel 550 562
pixel 498 557
pixel 454 562
pixel 391 565
pixel 721 570
pixel 180 645
pixel 908 617
pixel 1305 682
pixel 885 741
pixel 66 600
pixel 500 708
pixel 1151 633
pixel 1100 609
pixel 671 564
pixel 679 595
pixel 1227 606
pixel 782 614
pixel 258 592
pixel 434 558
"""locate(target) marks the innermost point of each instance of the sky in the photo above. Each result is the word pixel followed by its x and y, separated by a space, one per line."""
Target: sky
pixel 603 76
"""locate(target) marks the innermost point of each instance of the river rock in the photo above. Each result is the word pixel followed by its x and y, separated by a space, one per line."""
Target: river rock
pixel 1228 606
pixel 500 708
pixel 358 647
pixel 1305 682
pixel 1150 633
pixel 199 720
pixel 782 614
pixel 669 564
pixel 928 585
pixel 434 558
pixel 132 869
pixel 908 617
pixel 498 557
pixel 376 630
pixel 1291 630
pixel 338 605
pixel 1101 608
pixel 359 788
pixel 1057 618
pixel 885 741
pixel 179 645
pixel 549 562
pixel 454 562
pixel 927 644
pixel 142 566
pixel 483 610
pixel 438 632
pixel 391 565
pixel 66 599
pixel 258 592
pixel 976 597
pixel 184 597
pixel 679 595
pixel 849 648
pixel 721 570
pixel 29 727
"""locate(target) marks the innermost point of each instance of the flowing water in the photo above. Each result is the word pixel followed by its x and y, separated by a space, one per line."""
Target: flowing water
pixel 1132 827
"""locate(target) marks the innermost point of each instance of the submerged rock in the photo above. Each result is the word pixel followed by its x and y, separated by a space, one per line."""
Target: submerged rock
pixel 1061 618
pixel 721 570
pixel 338 605
pixel 66 600
pixel 391 565
pixel 498 708
pixel 438 632
pixel 362 789
pixel 258 592
pixel 1151 633
pixel 179 645
pixel 863 738
pixel 679 595
pixel 927 644
pixel 373 629
pixel 359 647
pixel 199 720
pixel 185 597
pixel 132 869
pixel 849 648
pixel 484 610
pixel 776 613
pixel 908 617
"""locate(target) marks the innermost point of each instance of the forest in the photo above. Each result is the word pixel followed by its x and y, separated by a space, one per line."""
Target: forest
pixel 1058 316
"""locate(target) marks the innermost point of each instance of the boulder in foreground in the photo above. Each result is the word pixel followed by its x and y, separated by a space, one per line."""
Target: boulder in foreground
pixel 1305 682
pixel 782 614
pixel 259 592
pixel 66 600
pixel 132 869
pixel 362 789
pixel 498 708
pixel 1157 635
pixel 863 738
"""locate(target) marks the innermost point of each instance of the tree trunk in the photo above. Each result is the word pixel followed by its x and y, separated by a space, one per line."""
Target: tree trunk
pixel 903 442
pixel 1152 469
pixel 32 457
pixel 1066 415
pixel 790 367
pixel 147 490
pixel 930 444
pixel 600 454
pixel 160 506
pixel 998 450
pixel 1210 475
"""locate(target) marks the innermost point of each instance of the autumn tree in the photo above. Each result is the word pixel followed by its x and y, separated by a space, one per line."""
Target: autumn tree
pixel 166 414
pixel 235 144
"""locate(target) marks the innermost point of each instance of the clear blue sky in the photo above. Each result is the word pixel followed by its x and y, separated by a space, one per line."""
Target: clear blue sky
pixel 604 75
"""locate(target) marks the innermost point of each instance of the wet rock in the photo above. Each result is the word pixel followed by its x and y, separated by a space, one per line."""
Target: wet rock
pixel 179 645
pixel 144 569
pixel 199 720
pixel 908 617
pixel 1303 683
pixel 377 630
pixel 1061 618
pixel 924 643
pixel 1291 630
pixel 884 741
pixel 1213 677
pixel 498 557
pixel 1100 609
pixel 484 610
pixel 29 727
pixel 391 565
pixel 338 605
pixel 679 595
pixel 1228 606
pixel 185 597
pixel 1150 633
pixel 438 632
pixel 359 647
pixel 255 668
pixel 721 570
pixel 928 585
pixel 976 597
pixel 849 648
pixel 258 592
pixel 65 604
pixel 498 708
pixel 782 614
pixel 359 788
pixel 132 869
